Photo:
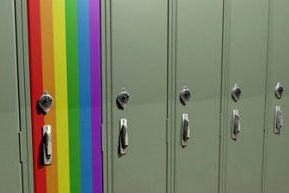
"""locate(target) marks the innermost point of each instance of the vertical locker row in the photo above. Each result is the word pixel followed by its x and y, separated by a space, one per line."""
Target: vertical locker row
pixel 194 95
pixel 190 96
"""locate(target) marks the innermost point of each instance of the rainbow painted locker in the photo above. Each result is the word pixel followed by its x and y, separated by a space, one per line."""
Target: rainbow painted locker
pixel 64 47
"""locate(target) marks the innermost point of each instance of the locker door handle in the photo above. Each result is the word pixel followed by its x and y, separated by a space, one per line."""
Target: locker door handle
pixel 123 137
pixel 185 129
pixel 236 125
pixel 278 120
pixel 47 145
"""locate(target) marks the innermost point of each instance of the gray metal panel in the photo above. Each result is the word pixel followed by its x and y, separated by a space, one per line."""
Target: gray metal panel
pixel 24 95
pixel 139 64
pixel 10 167
pixel 198 66
pixel 276 151
pixel 246 27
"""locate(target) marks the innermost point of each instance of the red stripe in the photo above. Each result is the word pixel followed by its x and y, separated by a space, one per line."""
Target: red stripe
pixel 36 86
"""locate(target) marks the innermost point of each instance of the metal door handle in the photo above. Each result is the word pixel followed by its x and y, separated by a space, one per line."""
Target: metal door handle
pixel 278 120
pixel 236 125
pixel 47 145
pixel 185 129
pixel 123 137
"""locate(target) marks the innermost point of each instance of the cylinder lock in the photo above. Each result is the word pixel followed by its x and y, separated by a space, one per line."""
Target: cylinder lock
pixel 122 99
pixel 279 90
pixel 45 102
pixel 185 95
pixel 236 93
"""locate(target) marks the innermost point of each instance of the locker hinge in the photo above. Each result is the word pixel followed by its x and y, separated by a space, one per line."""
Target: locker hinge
pixel 102 139
pixel 20 147
pixel 167 131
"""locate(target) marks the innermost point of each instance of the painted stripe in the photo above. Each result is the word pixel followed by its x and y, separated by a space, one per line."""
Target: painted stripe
pixel 60 65
pixel 64 38
pixel 95 71
pixel 84 95
pixel 36 91
pixel 73 94
pixel 48 85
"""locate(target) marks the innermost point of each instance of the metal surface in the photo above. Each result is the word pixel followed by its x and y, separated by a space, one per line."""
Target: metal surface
pixel 136 57
pixel 47 145
pixel 245 60
pixel 236 93
pixel 45 102
pixel 185 133
pixel 24 96
pixel 123 137
pixel 185 95
pixel 276 167
pixel 279 90
pixel 10 154
pixel 236 124
pixel 278 120
pixel 198 49
pixel 64 47
pixel 122 99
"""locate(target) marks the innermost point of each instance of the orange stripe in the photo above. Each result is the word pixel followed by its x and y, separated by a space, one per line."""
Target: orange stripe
pixel 48 85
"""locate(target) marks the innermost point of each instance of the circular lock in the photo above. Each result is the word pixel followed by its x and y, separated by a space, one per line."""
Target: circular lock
pixel 236 93
pixel 45 102
pixel 279 90
pixel 185 95
pixel 122 99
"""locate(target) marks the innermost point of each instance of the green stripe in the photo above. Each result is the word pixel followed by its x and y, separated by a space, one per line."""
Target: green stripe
pixel 73 95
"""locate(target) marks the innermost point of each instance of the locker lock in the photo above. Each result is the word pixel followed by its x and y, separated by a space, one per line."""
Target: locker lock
pixel 185 95
pixel 122 99
pixel 236 93
pixel 45 102
pixel 279 90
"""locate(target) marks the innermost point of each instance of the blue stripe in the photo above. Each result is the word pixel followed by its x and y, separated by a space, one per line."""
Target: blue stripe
pixel 84 95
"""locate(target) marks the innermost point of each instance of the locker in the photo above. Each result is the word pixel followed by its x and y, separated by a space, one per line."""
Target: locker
pixel 198 70
pixel 10 160
pixel 245 59
pixel 276 167
pixel 135 62
pixel 64 62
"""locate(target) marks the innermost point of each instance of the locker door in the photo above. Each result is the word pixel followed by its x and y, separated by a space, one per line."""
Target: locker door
pixel 277 141
pixel 139 69
pixel 246 27
pixel 10 167
pixel 198 69
pixel 64 50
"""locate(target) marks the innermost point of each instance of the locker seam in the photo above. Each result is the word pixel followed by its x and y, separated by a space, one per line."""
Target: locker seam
pixel 264 163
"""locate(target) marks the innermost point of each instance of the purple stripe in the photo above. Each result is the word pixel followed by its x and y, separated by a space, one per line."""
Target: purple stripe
pixel 95 57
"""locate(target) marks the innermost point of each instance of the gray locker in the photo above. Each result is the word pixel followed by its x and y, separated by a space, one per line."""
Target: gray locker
pixel 136 64
pixel 276 167
pixel 245 60
pixel 10 166
pixel 198 73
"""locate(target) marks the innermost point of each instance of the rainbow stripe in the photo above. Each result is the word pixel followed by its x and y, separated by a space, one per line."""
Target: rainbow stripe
pixel 64 49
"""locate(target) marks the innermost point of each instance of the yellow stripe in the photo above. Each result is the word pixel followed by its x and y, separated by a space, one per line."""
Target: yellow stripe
pixel 61 95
